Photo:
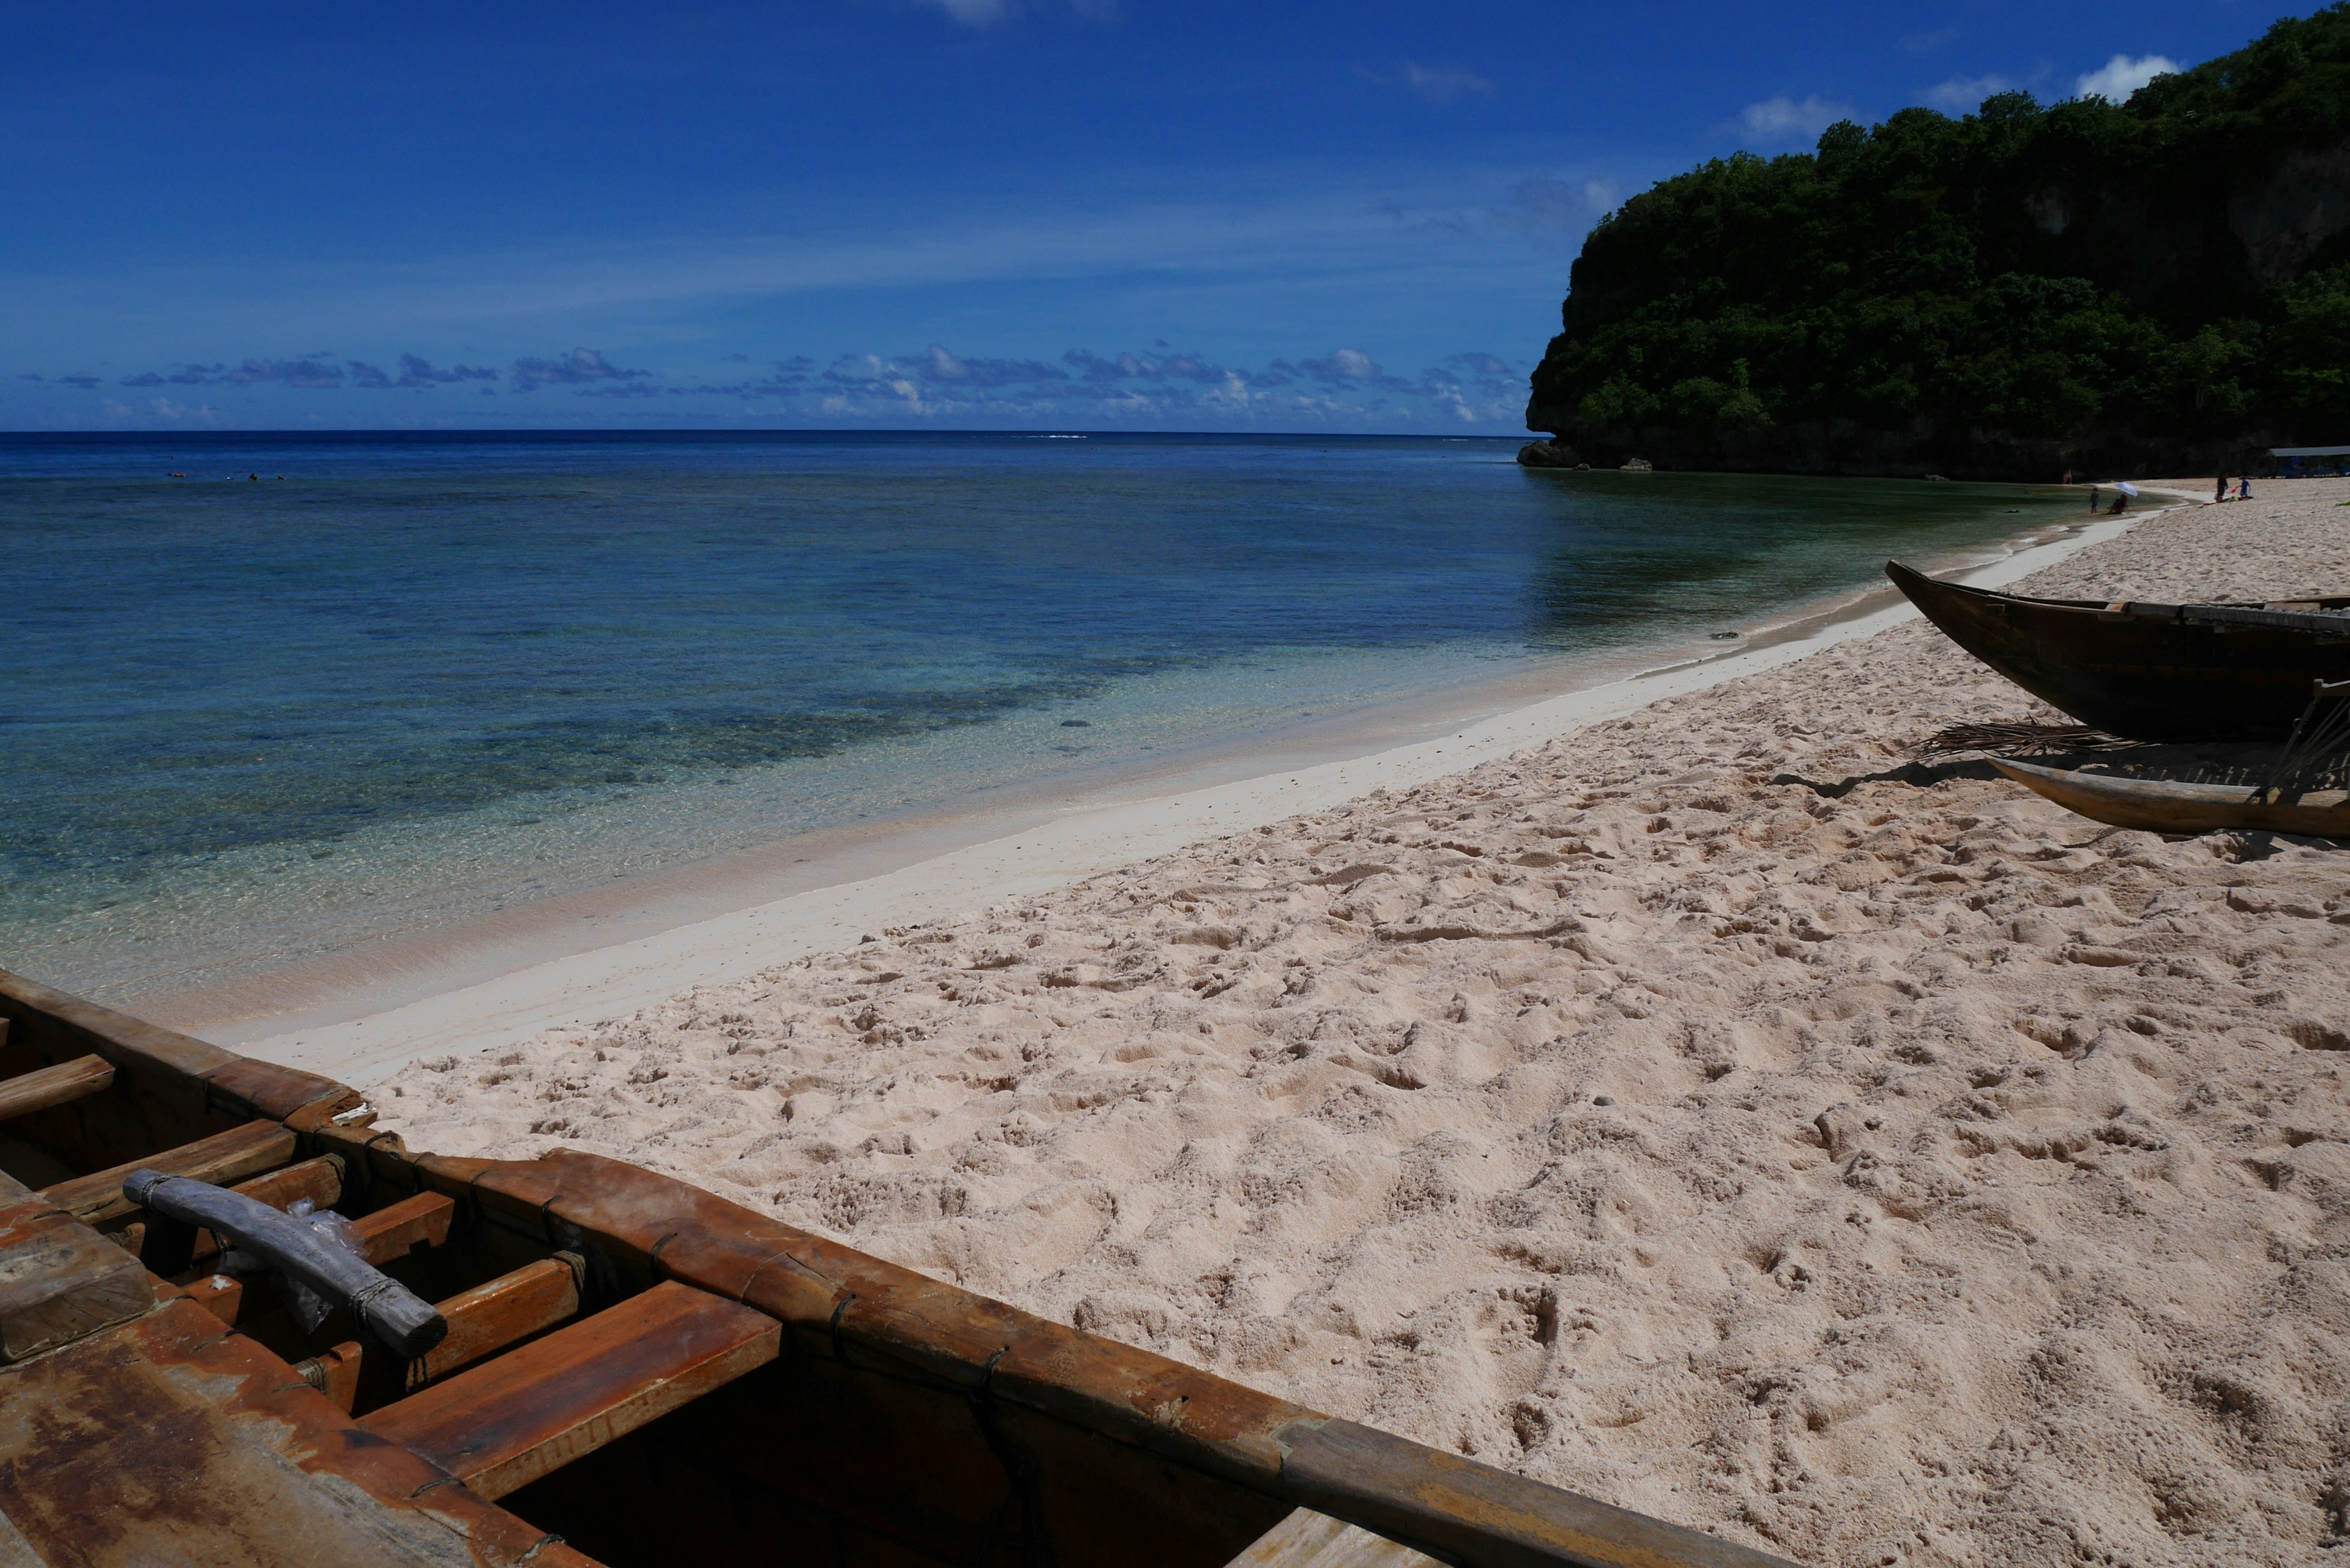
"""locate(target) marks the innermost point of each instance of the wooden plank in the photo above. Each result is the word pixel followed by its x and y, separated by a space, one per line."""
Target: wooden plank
pixel 165 1442
pixel 394 1233
pixel 489 1317
pixel 60 1280
pixel 1310 1539
pixel 29 1092
pixel 232 1156
pixel 511 1420
pixel 1472 1512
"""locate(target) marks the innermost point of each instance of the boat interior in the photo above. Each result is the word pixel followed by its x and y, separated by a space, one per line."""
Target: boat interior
pixel 633 1371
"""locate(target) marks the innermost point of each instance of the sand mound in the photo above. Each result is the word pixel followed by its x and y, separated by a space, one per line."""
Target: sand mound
pixel 1713 1111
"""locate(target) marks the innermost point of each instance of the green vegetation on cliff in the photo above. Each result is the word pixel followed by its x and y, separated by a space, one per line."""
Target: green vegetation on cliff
pixel 2123 286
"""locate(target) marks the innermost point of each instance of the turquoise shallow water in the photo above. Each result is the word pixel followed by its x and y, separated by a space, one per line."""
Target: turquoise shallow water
pixel 417 679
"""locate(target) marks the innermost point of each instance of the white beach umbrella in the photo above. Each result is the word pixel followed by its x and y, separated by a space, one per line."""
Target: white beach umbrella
pixel 2128 489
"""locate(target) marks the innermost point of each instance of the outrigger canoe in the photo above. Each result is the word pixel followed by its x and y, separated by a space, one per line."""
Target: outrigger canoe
pixel 2149 672
pixel 569 1360
pixel 2161 806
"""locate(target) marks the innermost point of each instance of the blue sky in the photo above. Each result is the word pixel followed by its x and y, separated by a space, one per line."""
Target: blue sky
pixel 965 214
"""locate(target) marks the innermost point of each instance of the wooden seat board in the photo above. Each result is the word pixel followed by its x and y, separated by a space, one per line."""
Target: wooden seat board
pixel 38 1091
pixel 392 1233
pixel 511 1420
pixel 489 1317
pixel 223 1158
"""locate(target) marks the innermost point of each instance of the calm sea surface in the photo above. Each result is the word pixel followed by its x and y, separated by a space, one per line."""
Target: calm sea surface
pixel 414 680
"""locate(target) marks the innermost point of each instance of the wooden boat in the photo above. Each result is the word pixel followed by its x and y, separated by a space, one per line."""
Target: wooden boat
pixel 2149 672
pixel 597 1363
pixel 2159 806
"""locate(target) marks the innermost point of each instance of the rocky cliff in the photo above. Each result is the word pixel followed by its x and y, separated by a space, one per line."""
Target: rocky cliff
pixel 2114 288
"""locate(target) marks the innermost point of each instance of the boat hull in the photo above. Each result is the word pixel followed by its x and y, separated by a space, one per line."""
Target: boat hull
pixel 2158 806
pixel 2147 673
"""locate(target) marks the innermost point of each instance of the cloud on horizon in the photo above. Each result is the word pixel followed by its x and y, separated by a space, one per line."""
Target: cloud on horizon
pixel 580 366
pixel 415 372
pixel 1162 387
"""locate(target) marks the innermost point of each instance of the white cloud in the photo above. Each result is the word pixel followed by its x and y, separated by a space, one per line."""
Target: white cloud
pixel 2122 76
pixel 1442 82
pixel 1964 95
pixel 1783 118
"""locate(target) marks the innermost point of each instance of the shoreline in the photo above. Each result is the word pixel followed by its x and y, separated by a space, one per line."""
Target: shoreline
pixel 490 983
pixel 1717 1111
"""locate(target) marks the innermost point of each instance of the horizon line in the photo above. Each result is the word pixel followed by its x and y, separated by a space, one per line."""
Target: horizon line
pixel 471 433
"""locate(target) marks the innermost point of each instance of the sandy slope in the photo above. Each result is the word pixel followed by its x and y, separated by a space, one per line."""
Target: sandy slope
pixel 1710 1111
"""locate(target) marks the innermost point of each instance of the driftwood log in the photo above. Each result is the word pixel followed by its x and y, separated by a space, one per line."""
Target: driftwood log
pixel 386 1309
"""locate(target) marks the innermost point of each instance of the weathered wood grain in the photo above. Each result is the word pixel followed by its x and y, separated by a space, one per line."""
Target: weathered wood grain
pixel 391 1233
pixel 512 1419
pixel 67 1081
pixel 60 1280
pixel 232 1156
pixel 489 1317
pixel 1310 1539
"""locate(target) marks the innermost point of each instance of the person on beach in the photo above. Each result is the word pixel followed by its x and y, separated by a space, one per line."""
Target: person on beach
pixel 2221 494
pixel 2244 488
pixel 2093 498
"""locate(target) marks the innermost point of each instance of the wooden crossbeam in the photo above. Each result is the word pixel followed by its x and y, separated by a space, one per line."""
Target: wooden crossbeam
pixel 38 1091
pixel 507 1310
pixel 482 1322
pixel 512 1419
pixel 391 1233
pixel 232 1156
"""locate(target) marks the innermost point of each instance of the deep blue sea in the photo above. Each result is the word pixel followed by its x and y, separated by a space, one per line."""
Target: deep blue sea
pixel 262 695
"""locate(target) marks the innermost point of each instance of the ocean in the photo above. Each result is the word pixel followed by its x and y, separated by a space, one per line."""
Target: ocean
pixel 328 689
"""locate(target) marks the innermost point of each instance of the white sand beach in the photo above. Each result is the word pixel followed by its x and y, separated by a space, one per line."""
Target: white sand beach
pixel 1706 1108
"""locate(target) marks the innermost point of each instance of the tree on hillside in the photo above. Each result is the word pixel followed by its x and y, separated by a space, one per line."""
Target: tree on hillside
pixel 2014 291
